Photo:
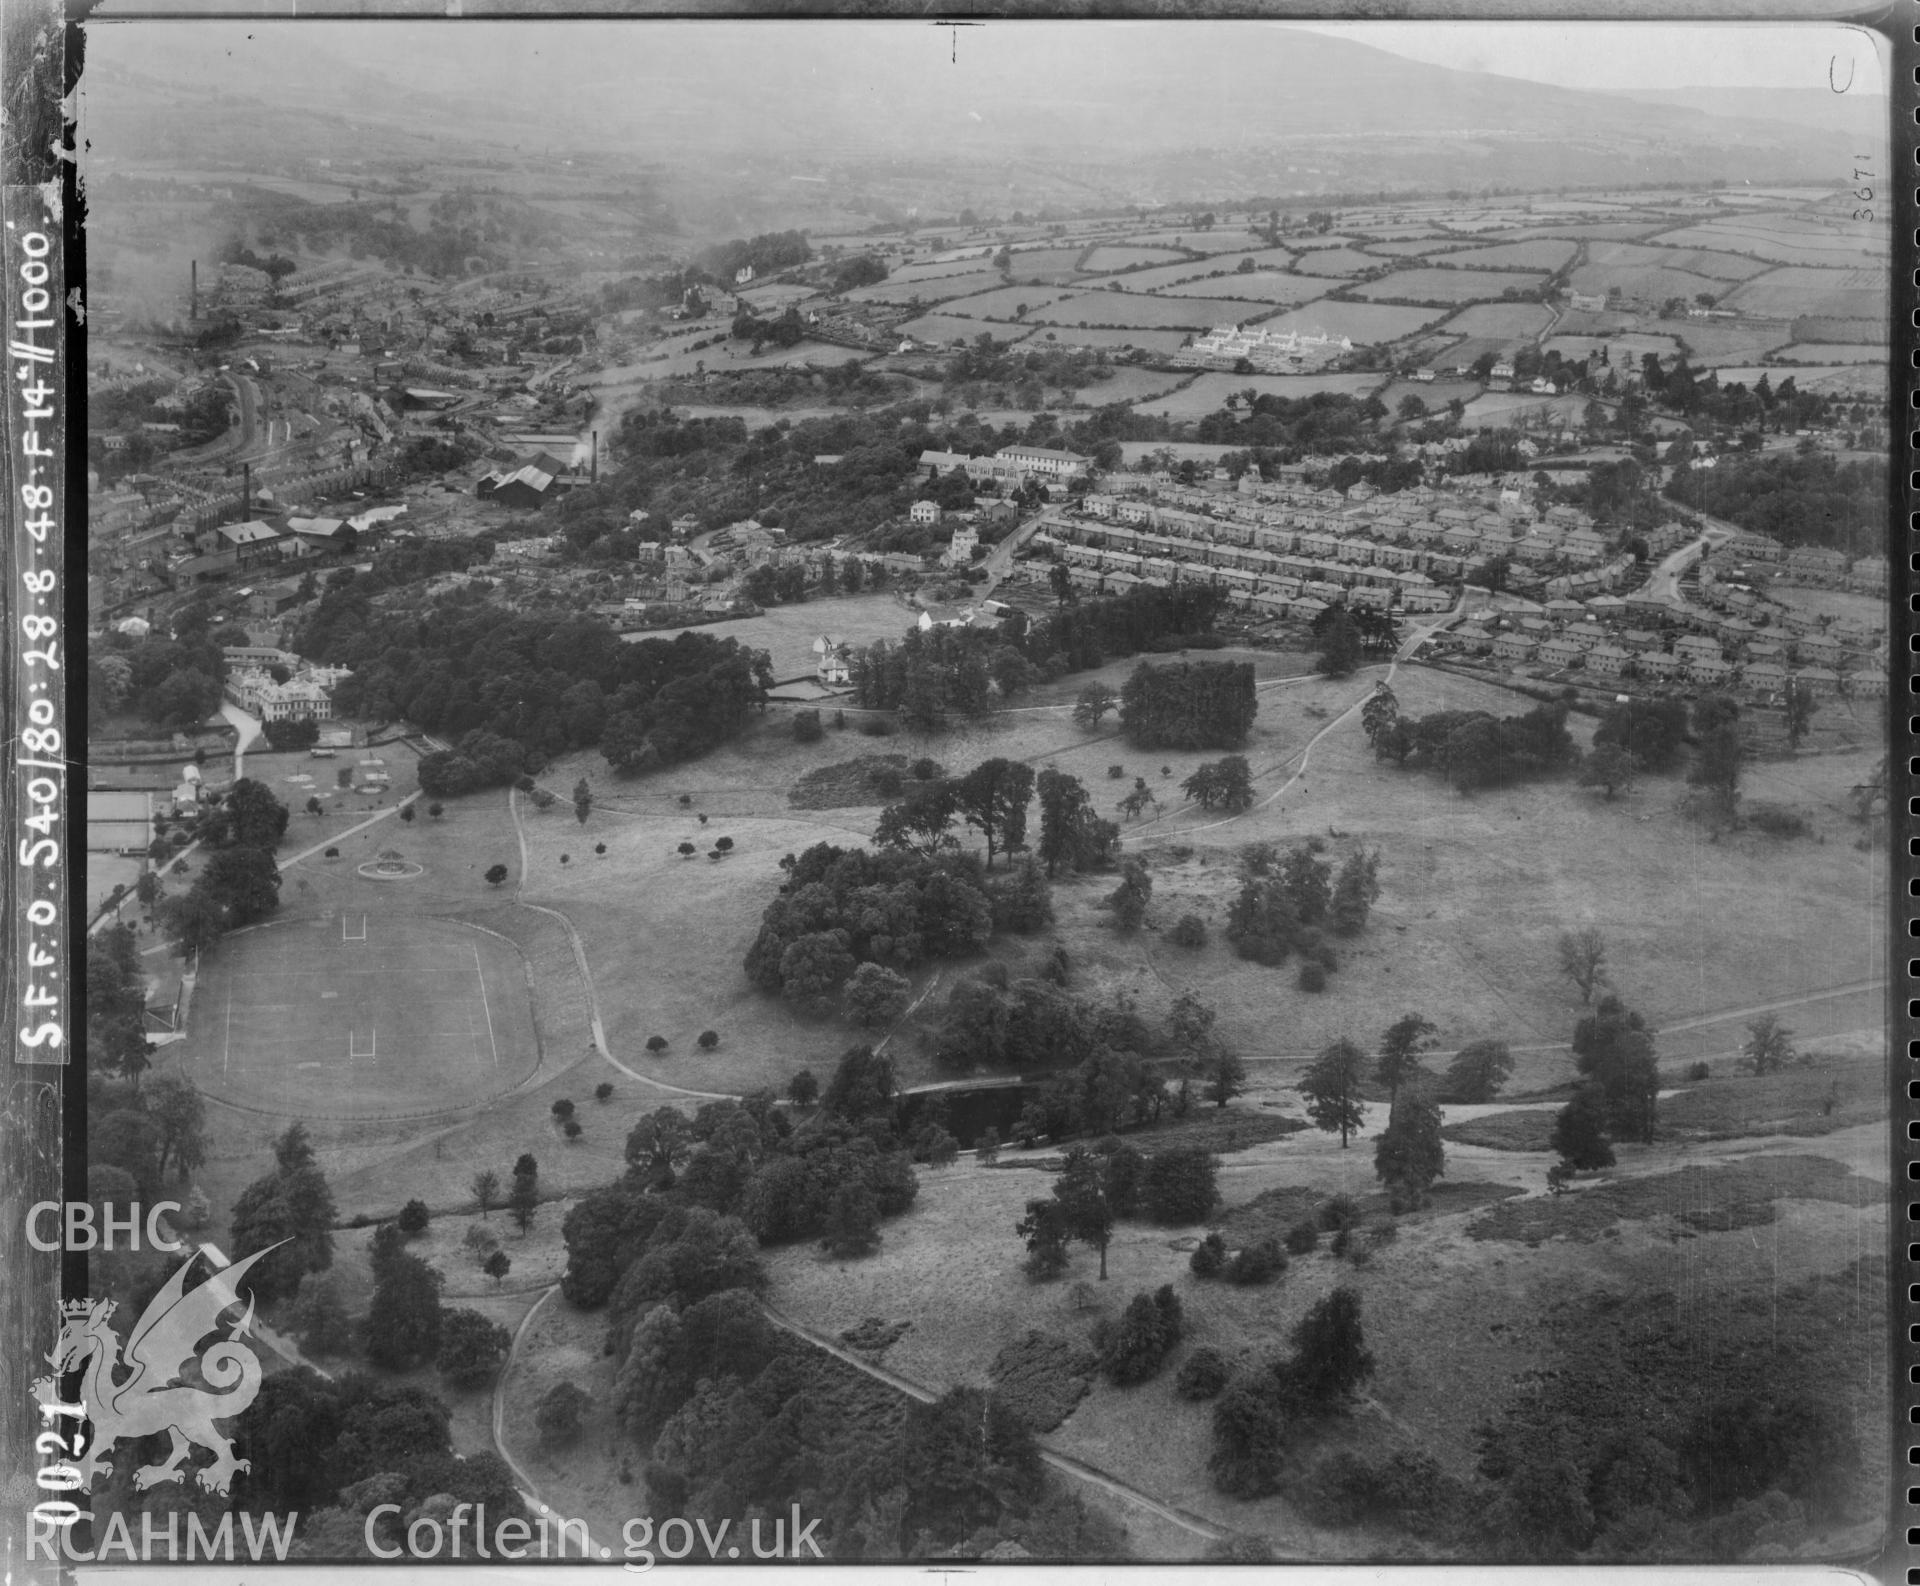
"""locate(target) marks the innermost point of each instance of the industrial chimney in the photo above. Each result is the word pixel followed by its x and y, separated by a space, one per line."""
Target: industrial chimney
pixel 593 456
pixel 193 295
pixel 246 491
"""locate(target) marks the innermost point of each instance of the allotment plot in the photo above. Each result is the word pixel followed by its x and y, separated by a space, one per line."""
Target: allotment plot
pixel 361 1014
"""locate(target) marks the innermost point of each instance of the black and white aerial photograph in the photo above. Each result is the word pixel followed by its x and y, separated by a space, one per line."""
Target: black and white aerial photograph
pixel 1021 792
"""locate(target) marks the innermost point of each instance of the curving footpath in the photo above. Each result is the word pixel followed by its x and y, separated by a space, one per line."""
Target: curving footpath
pixel 586 975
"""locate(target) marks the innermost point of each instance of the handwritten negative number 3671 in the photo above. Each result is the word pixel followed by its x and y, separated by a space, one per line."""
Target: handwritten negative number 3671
pixel 1865 194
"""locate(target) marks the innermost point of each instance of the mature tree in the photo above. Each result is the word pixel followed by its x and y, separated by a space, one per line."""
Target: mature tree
pixel 1650 731
pixel 1409 1155
pixel 414 1218
pixel 1221 784
pixel 1332 1089
pixel 1613 1047
pixel 404 1325
pixel 1249 1437
pixel 1330 1355
pixel 803 1089
pixel 1129 900
pixel 1580 1130
pixel 993 798
pixel 1339 644
pixel 853 1221
pixel 1181 1185
pixel 291 1203
pixel 582 801
pixel 922 822
pixel 1071 835
pixel 558 1415
pixel 875 995
pixel 495 874
pixel 1583 959
pixel 1800 706
pixel 177 1111
pixel 1082 1193
pixel 814 967
pixel 1136 802
pixel 1767 1050
pixel 1716 766
pixel 472 1349
pixel 496 1266
pixel 252 818
pixel 1355 890
pixel 1133 1349
pixel 1609 768
pixel 658 1145
pixel 1400 1048
pixel 1378 715
pixel 319 1319
pixel 523 1201
pixel 486 1189
pixel 1478 1071
pixel 1045 1230
pixel 1095 701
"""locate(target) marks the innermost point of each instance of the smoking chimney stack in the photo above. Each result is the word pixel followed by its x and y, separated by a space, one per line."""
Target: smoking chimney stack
pixel 193 293
pixel 593 456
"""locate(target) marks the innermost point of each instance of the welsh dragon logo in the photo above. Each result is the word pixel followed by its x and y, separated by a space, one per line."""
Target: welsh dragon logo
pixel 151 1398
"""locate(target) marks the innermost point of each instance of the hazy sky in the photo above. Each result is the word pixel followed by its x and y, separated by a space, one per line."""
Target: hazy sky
pixel 1629 55
pixel 1575 55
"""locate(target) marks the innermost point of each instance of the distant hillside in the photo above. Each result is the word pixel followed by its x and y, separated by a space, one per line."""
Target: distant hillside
pixel 1856 113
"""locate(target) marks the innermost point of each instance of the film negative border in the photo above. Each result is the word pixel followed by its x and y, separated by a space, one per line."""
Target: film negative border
pixel 1904 732
pixel 42 614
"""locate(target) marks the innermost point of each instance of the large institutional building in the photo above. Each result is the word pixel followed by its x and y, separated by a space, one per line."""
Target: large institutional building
pixel 1271 352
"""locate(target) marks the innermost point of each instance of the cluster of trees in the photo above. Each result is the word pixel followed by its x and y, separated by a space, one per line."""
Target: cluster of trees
pixel 1188 705
pixel 1289 901
pixel 1254 1414
pixel 1471 748
pixel 1106 1069
pixel 171 682
pixel 928 676
pixel 544 685
pixel 738 1172
pixel 1798 498
pixel 292 1203
pixel 770 251
pixel 239 883
pixel 895 906
pixel 1096 1188
pixel 1617 1095
pixel 730 1417
pixel 1295 427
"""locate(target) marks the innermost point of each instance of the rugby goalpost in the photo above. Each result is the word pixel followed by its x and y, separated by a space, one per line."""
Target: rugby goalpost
pixel 347 934
pixel 370 1055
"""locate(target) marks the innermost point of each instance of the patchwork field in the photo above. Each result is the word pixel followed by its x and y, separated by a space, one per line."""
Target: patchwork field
pixel 1837 294
pixel 1130 310
pixel 1334 261
pixel 1109 257
pixel 1694 261
pixel 1545 254
pixel 1001 302
pixel 1447 286
pixel 1504 322
pixel 1161 341
pixel 1366 323
pixel 1268 286
pixel 1831 352
pixel 1047 265
pixel 926 289
pixel 1713 343
pixel 1772 238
